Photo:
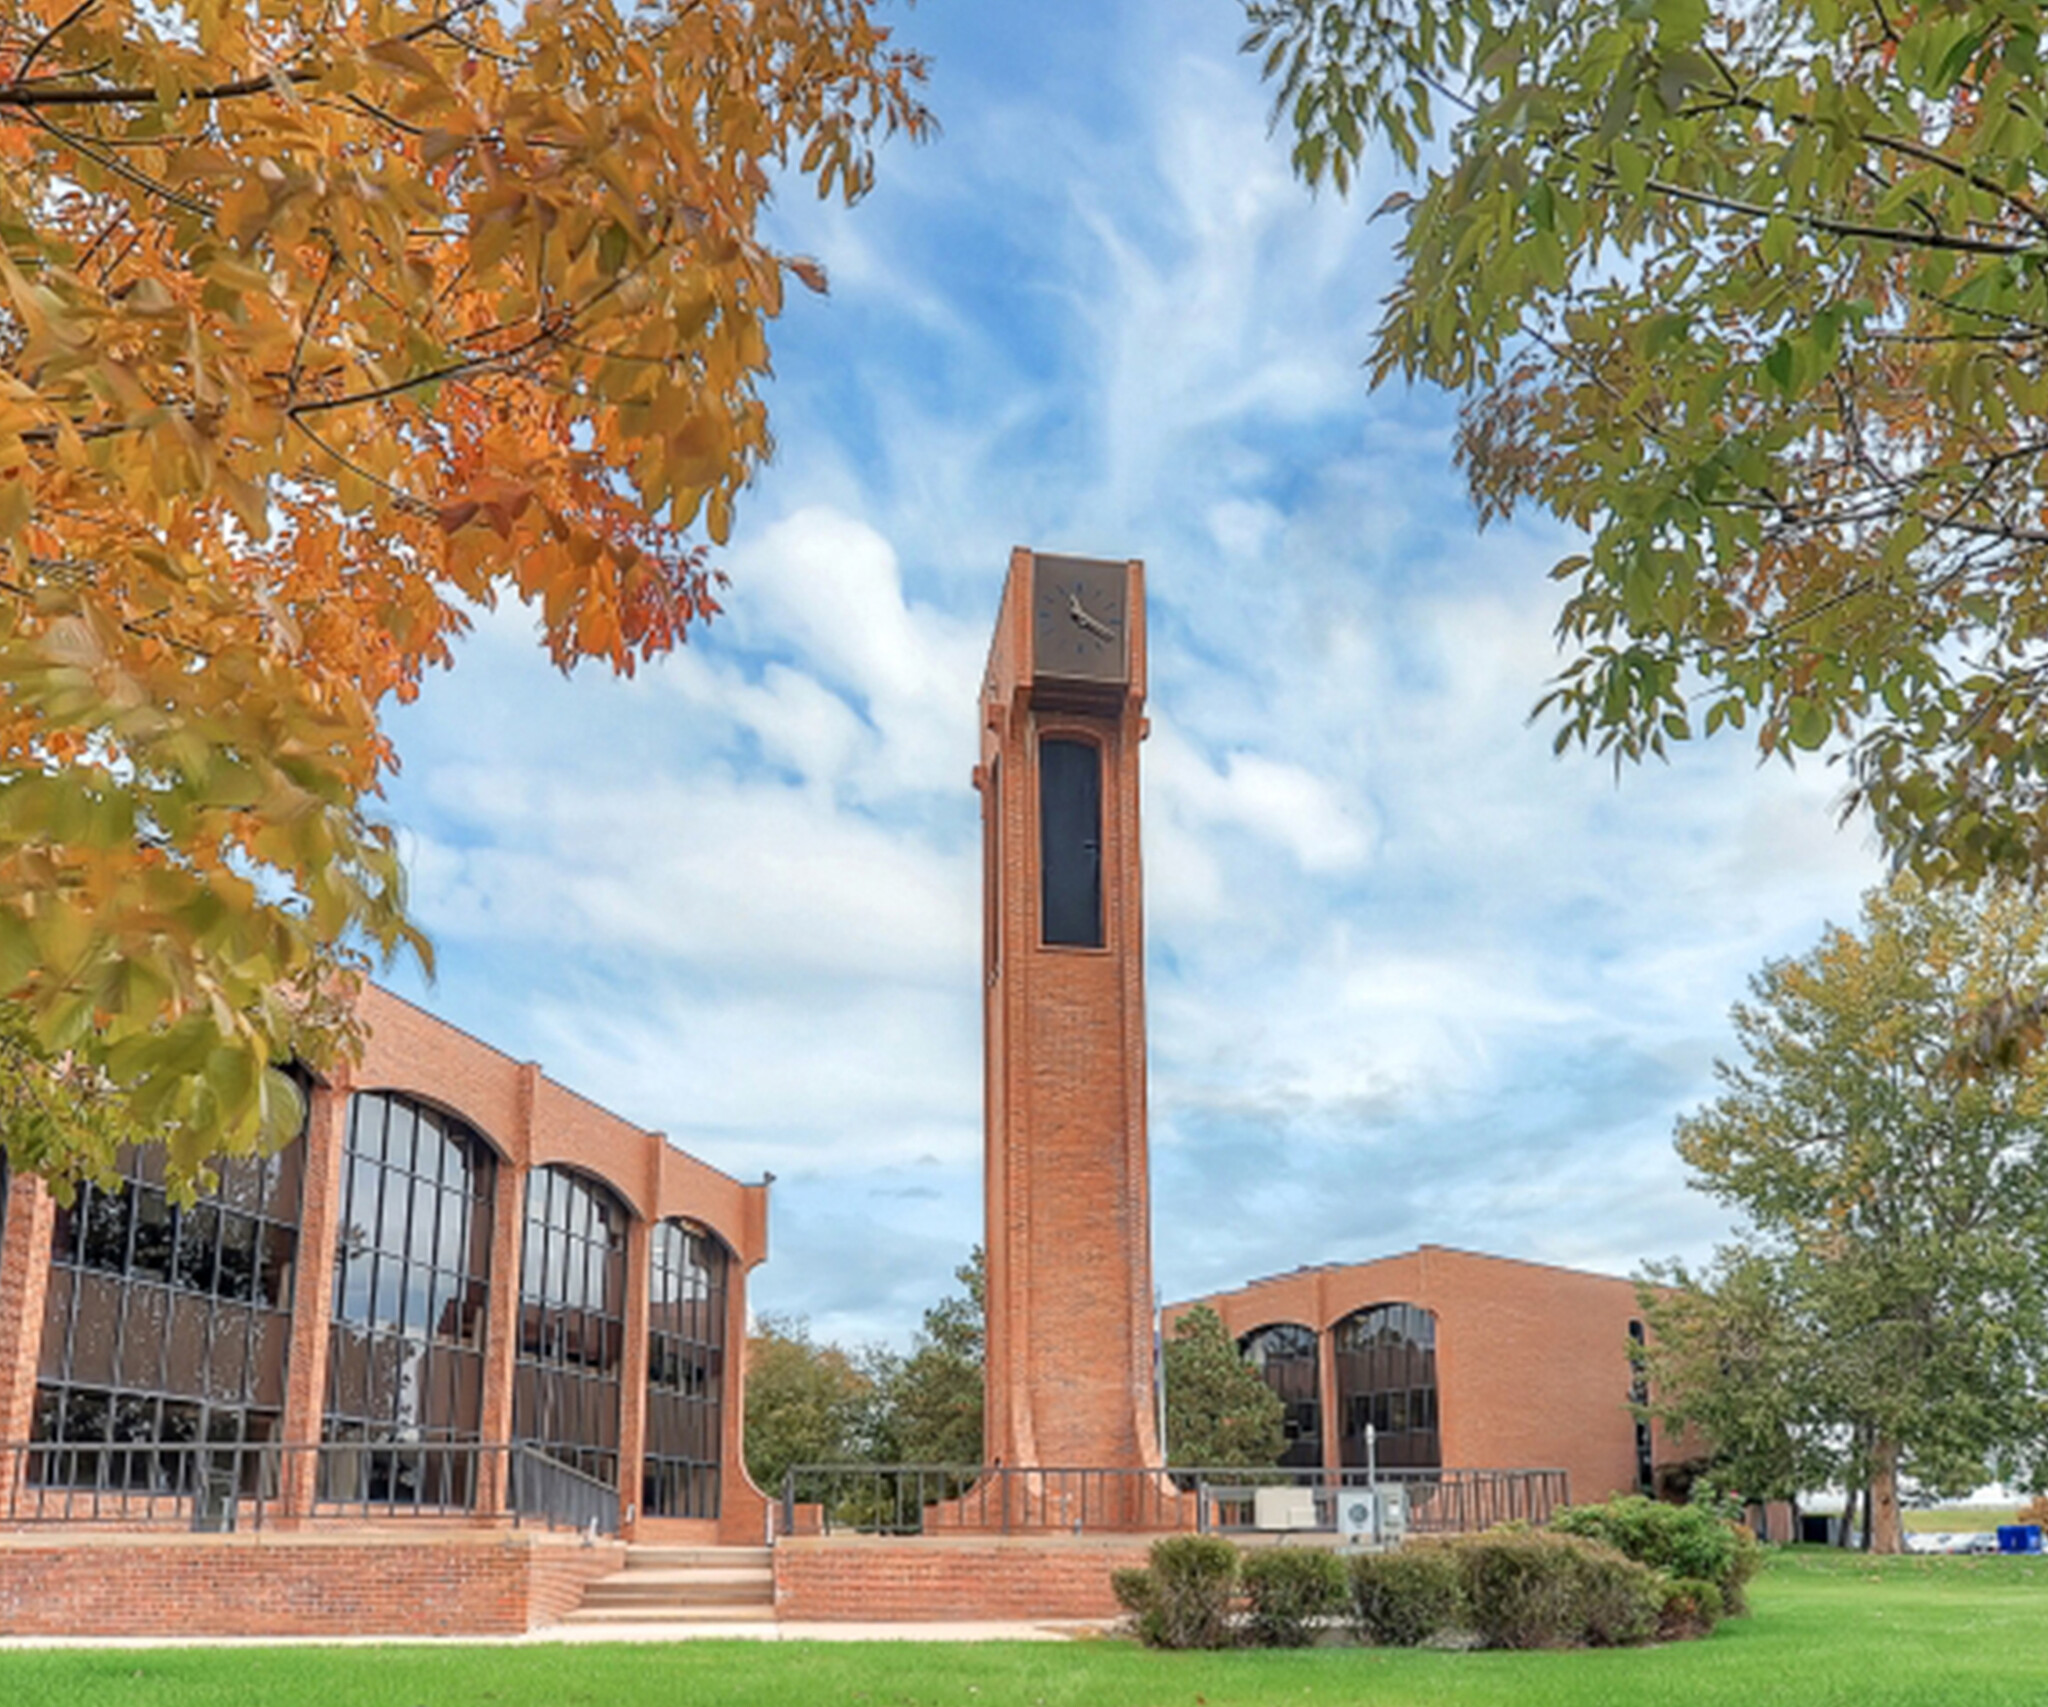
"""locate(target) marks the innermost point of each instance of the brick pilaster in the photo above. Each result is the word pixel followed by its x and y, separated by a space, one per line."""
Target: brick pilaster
pixel 633 1372
pixel 24 1282
pixel 305 1400
pixel 501 1328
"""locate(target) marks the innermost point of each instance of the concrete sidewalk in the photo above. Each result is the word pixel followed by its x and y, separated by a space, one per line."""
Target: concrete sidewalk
pixel 950 1630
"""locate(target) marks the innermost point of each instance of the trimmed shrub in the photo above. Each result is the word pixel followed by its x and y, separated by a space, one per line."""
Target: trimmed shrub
pixel 1531 1590
pixel 1620 1602
pixel 1692 1607
pixel 1401 1600
pixel 1182 1598
pixel 1290 1591
pixel 1679 1540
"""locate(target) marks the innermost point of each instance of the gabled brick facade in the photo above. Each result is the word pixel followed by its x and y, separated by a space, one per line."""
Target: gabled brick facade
pixel 526 1121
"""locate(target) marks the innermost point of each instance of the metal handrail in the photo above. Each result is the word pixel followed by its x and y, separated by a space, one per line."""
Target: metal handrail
pixel 222 1486
pixel 549 1487
pixel 926 1499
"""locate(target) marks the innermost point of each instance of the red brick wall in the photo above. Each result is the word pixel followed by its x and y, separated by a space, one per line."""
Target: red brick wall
pixel 1532 1360
pixel 1067 1237
pixel 317 1585
pixel 873 1578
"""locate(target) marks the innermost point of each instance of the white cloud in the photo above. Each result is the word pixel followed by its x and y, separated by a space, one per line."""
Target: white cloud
pixel 1411 977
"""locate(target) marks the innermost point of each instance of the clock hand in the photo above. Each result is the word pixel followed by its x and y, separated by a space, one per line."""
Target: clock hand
pixel 1094 624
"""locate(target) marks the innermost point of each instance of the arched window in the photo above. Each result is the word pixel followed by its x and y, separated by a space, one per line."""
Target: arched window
pixel 1285 1354
pixel 165 1325
pixel 572 1330
pixel 685 1371
pixel 411 1291
pixel 1386 1376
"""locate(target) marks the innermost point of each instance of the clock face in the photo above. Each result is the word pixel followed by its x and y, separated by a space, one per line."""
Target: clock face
pixel 1078 620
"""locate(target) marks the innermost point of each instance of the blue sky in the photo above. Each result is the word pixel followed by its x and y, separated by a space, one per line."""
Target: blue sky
pixel 1411 978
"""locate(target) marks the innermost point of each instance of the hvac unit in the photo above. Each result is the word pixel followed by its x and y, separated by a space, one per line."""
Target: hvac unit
pixel 1284 1508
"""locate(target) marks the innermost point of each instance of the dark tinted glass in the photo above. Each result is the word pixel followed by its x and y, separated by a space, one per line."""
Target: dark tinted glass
pixel 152 1313
pixel 685 1370
pixel 1070 842
pixel 1285 1354
pixel 1386 1376
pixel 572 1297
pixel 405 1353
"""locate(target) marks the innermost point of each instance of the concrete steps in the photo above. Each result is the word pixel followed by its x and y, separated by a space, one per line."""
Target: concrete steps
pixel 683 1585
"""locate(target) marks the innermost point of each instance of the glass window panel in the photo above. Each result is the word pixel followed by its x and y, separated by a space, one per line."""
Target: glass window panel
pixel 198 1239
pixel 419 1315
pixel 227 1359
pixel 387 1294
pixel 106 1228
pixel 276 1255
pixel 64 1231
pixel 241 1183
pixel 283 1178
pixel 56 1325
pixel 400 1120
pixel 270 1339
pixel 142 1337
pixel 185 1361
pixel 237 1256
pixel 95 1330
pixel 390 1224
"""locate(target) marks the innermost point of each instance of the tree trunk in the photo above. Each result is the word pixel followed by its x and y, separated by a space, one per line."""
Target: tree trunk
pixel 1845 1539
pixel 1887 1535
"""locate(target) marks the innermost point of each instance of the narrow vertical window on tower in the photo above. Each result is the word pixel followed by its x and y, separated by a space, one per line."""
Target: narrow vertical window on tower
pixel 1070 842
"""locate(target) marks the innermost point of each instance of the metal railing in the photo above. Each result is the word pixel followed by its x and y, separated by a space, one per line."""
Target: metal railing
pixel 560 1494
pixel 1438 1502
pixel 216 1486
pixel 933 1499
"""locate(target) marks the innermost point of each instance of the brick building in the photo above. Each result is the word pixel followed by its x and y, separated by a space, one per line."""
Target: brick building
pixel 457 1254
pixel 1457 1359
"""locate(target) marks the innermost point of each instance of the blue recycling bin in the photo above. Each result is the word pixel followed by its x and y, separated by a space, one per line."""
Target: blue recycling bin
pixel 2019 1538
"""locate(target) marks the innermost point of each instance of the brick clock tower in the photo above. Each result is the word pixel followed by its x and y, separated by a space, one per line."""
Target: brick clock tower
pixel 1068 1237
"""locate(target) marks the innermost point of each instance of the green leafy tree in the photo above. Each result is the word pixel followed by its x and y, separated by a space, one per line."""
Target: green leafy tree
pixel 1753 296
pixel 1884 1315
pixel 1731 1357
pixel 1219 1410
pixel 806 1403
pixel 932 1399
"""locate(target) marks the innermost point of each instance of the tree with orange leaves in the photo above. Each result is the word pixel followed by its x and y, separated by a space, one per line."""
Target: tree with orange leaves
pixel 1755 296
pixel 319 323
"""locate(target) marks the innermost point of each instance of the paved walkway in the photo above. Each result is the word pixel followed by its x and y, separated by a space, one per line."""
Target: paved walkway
pixel 953 1630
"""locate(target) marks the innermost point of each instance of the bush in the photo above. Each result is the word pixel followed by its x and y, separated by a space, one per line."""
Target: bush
pixel 1400 1600
pixel 1692 1607
pixel 1679 1540
pixel 1290 1589
pixel 1182 1598
pixel 1531 1590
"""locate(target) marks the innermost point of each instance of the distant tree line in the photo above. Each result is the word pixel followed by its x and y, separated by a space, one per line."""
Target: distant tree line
pixel 815 1402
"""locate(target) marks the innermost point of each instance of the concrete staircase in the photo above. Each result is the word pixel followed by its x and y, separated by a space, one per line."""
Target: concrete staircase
pixel 683 1585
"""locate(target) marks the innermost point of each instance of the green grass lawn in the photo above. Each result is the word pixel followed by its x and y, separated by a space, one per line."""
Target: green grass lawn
pixel 1826 1629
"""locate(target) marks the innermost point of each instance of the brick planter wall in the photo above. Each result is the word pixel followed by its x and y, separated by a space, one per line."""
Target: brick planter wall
pixel 297 1585
pixel 835 1578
